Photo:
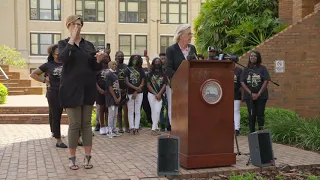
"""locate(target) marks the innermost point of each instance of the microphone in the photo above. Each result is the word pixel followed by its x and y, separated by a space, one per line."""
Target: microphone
pixel 192 55
pixel 212 51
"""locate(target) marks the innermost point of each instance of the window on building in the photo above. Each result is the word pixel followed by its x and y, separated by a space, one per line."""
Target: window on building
pixel 140 42
pixel 48 10
pixel 98 40
pixel 40 42
pixel 91 10
pixel 125 44
pixel 133 11
pixel 165 41
pixel 174 11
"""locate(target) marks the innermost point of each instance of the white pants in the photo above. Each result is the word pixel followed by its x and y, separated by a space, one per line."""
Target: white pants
pixel 134 106
pixel 155 106
pixel 169 99
pixel 112 118
pixel 237 114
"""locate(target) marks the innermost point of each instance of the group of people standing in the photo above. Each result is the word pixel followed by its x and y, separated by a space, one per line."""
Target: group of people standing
pixel 77 76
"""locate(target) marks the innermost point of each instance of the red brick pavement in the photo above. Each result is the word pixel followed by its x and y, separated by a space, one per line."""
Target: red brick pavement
pixel 28 152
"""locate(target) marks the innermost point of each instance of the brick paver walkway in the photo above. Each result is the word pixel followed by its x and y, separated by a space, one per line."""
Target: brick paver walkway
pixel 28 152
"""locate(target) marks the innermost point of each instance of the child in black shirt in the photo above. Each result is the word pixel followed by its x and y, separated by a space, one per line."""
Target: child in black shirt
pixel 113 98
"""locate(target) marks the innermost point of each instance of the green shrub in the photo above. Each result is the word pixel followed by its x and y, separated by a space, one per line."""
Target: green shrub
pixel 93 117
pixel 3 94
pixel 287 128
pixel 10 56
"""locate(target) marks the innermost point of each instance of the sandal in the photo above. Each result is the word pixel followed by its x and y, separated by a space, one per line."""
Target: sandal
pixel 87 164
pixel 73 165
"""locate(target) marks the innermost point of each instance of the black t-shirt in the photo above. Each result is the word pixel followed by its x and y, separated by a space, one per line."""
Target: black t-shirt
pixel 111 80
pixel 237 84
pixel 101 78
pixel 135 77
pixel 121 78
pixel 157 80
pixel 255 81
pixel 53 70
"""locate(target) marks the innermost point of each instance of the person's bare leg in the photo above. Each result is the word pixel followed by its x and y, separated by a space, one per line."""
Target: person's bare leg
pixel 87 133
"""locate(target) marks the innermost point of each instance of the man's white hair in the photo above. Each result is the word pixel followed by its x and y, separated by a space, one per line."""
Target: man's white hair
pixel 179 31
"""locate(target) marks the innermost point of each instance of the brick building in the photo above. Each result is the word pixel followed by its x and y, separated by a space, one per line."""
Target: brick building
pixel 299 47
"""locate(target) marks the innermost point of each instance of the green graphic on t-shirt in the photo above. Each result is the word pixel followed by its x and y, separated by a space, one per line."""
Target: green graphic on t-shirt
pixel 134 76
pixel 256 79
pixel 115 86
pixel 104 74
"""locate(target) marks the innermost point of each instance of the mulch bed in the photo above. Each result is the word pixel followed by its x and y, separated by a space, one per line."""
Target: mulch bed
pixel 283 173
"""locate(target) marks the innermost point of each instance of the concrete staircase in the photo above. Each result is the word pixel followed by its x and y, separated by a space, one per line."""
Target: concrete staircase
pixel 18 86
pixel 27 115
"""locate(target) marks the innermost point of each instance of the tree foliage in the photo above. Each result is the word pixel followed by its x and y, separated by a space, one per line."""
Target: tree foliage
pixel 236 26
pixel 10 56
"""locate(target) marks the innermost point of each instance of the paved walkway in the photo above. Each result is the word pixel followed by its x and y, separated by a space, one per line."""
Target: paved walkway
pixel 28 152
pixel 26 100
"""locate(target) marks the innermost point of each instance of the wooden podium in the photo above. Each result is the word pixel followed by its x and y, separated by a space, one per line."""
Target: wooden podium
pixel 202 113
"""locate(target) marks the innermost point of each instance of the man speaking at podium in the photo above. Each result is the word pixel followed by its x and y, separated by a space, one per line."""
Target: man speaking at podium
pixel 176 53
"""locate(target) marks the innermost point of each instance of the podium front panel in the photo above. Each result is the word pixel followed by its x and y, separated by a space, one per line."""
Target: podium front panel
pixel 202 113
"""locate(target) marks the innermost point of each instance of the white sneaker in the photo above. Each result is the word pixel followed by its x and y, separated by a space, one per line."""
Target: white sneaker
pixel 103 131
pixel 107 130
pixel 111 135
pixel 116 133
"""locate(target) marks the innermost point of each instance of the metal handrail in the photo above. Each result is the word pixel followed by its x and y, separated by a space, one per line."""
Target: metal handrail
pixel 5 76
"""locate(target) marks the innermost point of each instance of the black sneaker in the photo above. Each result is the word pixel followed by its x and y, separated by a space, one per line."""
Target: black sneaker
pixel 260 128
pixel 97 128
pixel 61 145
pixel 237 132
pixel 169 128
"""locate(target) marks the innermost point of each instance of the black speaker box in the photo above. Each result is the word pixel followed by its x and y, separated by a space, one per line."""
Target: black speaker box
pixel 168 155
pixel 260 145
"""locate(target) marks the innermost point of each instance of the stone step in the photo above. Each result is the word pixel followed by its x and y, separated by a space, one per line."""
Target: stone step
pixel 11 75
pixel 5 68
pixel 15 93
pixel 22 82
pixel 24 110
pixel 16 84
pixel 29 119
pixel 26 90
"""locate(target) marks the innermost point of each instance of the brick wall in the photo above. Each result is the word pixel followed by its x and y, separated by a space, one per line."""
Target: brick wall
pixel 297 11
pixel 292 11
pixel 299 46
pixel 286 12
pixel 317 7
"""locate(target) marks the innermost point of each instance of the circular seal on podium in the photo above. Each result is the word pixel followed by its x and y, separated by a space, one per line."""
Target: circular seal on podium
pixel 211 91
